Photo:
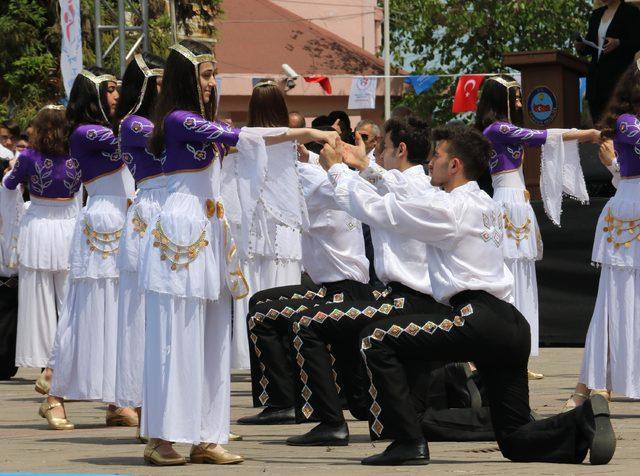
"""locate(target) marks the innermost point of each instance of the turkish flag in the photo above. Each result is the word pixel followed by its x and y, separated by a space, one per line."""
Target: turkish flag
pixel 322 80
pixel 466 97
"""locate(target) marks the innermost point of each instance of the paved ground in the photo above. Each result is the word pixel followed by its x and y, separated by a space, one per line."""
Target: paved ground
pixel 28 446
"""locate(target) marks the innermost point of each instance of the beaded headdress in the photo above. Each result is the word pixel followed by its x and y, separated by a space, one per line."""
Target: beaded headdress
pixel 195 60
pixel 267 82
pixel 508 85
pixel 97 81
pixel 54 107
pixel 148 73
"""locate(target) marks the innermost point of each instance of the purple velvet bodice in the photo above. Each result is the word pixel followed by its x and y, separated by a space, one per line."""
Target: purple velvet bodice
pixel 50 177
pixel 135 131
pixel 627 145
pixel 508 143
pixel 96 149
pixel 190 140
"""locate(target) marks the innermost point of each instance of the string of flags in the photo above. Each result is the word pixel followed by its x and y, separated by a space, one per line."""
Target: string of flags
pixel 363 88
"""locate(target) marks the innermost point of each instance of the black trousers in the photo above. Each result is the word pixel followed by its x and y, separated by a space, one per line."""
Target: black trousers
pixel 271 313
pixel 338 325
pixel 494 335
pixel 8 326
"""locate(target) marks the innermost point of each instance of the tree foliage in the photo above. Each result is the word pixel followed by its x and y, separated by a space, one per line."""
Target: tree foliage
pixel 458 36
pixel 30 44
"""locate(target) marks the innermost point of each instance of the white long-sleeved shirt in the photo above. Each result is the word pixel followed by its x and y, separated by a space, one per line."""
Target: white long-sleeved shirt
pixel 462 229
pixel 333 246
pixel 397 257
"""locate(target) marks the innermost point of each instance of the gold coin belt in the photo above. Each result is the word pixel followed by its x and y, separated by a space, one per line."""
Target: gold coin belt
pixel 105 243
pixel 518 233
pixel 621 229
pixel 178 255
pixel 139 225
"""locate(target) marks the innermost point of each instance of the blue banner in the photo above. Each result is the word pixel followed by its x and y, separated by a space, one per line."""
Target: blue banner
pixel 421 83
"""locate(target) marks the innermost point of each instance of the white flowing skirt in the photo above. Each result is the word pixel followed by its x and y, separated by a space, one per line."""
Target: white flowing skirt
pixel 261 273
pixel 85 356
pixel 521 254
pixel 186 397
pixel 525 294
pixel 131 302
pixel 612 350
pixel 41 298
pixel 46 231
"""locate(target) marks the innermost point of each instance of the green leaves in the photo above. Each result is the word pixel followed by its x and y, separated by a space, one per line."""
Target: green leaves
pixel 30 44
pixel 458 36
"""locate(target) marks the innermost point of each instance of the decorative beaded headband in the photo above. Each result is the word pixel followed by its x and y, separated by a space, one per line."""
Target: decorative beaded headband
pixel 268 82
pixel 54 107
pixel 508 85
pixel 148 73
pixel 195 60
pixel 97 81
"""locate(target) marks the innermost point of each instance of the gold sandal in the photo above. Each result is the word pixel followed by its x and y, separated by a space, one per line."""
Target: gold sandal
pixel 534 375
pixel 55 423
pixel 153 456
pixel 42 385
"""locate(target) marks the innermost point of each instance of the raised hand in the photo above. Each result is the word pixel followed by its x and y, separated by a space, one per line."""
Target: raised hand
pixel 356 155
pixel 606 153
pixel 329 155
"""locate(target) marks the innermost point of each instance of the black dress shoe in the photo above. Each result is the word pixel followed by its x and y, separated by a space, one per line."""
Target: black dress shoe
pixel 325 434
pixel 271 416
pixel 408 452
pixel 603 444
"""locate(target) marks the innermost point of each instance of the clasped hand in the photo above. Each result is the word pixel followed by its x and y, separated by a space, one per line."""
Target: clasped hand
pixel 353 155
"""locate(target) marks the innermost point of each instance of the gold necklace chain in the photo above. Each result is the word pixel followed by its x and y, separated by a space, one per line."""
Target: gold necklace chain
pixel 139 225
pixel 518 233
pixel 105 243
pixel 619 226
pixel 178 255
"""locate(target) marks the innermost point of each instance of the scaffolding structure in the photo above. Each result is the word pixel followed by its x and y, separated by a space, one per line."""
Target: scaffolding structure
pixel 125 11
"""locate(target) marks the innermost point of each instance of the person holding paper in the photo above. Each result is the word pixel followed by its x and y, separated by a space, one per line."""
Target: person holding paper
pixel 612 41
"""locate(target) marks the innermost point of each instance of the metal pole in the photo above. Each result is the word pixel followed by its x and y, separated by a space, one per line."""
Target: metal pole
pixel 172 16
pixel 387 63
pixel 96 26
pixel 121 38
pixel 145 25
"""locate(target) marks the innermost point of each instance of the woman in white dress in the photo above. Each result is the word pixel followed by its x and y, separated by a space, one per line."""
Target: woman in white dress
pixel 188 255
pixel 45 236
pixel 611 361
pixel 84 356
pixel 499 117
pixel 269 234
pixel 140 86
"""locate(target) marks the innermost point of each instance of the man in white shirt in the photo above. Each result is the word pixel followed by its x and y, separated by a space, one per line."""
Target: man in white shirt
pixel 462 227
pixel 400 263
pixel 333 255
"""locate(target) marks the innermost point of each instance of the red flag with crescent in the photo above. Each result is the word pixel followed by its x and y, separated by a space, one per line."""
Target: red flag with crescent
pixel 467 90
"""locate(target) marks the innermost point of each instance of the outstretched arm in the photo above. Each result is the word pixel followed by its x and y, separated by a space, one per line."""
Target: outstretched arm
pixel 584 135
pixel 303 136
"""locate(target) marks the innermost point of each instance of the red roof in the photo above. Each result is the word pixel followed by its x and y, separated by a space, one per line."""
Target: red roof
pixel 257 36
